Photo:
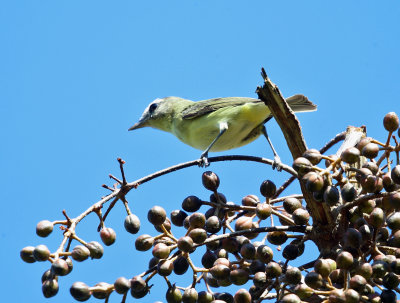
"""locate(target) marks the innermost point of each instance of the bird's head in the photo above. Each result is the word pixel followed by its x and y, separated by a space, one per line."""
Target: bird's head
pixel 158 114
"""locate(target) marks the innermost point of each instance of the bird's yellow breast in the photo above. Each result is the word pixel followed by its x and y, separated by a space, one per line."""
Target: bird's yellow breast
pixel 244 125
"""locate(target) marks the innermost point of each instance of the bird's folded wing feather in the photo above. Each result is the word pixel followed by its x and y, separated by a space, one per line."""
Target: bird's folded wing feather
pixel 204 107
pixel 300 103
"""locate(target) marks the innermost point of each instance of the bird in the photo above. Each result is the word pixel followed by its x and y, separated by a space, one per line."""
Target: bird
pixel 217 124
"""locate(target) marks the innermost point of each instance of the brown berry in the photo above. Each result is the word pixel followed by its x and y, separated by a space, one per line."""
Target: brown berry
pixel 291 204
pixel 314 181
pixel 348 192
pixel 344 260
pixel 177 217
pixel 59 267
pixel 108 236
pixel 376 217
pixel 313 280
pixel 363 142
pixel 242 296
pixel 391 122
pixel 191 204
pixel 273 270
pixel 190 296
pixel 181 265
pixel 199 235
pixel 50 288
pixel 41 253
pixel 156 215
pixel 290 298
pixel 26 254
pixel 80 253
pixel 331 195
pixel 122 285
pixel 300 216
pixel 185 244
pixel 132 224
pixel 208 259
pixel 293 275
pixel 264 253
pixel 393 221
pixel 96 250
pixel 250 200
pixel 350 155
pixel 302 165
pixel 268 188
pixel 44 228
pixel 239 276
pixel 243 223
pixel 161 251
pixel 139 287
pixel 277 237
pixel 248 251
pixel 197 220
pixel 165 267
pixel 290 252
pixel 144 242
pixel 100 290
pixel 210 180
pixel 358 283
pixel 313 155
pixel 370 150
pixel 263 210
pixel 213 225
pixel 80 291
pixel 220 271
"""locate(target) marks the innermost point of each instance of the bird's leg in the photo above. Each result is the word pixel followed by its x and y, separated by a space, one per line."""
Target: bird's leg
pixel 277 160
pixel 223 126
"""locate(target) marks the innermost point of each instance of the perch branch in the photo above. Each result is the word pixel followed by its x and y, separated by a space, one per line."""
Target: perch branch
pixel 290 126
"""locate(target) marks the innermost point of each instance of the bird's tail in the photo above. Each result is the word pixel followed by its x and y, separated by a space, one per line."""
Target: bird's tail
pixel 300 103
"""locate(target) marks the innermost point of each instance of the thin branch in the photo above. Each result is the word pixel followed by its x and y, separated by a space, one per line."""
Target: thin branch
pixel 338 138
pixel 110 207
pixel 284 186
pixel 294 228
pixel 121 167
pixel 180 166
pixel 364 198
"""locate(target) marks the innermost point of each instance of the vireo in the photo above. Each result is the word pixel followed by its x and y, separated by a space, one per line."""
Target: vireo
pixel 216 124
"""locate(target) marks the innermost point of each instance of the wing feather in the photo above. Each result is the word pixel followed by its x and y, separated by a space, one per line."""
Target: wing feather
pixel 204 107
pixel 298 103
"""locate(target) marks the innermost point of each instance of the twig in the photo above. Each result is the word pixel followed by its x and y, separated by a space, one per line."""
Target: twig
pixel 363 198
pixel 339 137
pixel 180 166
pixel 294 228
pixel 284 186
pixel 107 212
pixel 121 167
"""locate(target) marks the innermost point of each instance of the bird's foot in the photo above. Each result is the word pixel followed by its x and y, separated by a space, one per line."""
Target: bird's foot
pixel 277 163
pixel 203 162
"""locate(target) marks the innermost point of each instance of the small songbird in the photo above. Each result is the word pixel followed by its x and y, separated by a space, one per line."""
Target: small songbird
pixel 216 124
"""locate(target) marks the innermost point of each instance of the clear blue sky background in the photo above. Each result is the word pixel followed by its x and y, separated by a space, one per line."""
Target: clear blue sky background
pixel 75 75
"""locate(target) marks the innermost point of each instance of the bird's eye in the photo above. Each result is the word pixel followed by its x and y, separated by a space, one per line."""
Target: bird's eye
pixel 153 107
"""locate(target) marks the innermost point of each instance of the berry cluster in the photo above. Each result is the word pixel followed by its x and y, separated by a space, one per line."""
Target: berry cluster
pixel 358 191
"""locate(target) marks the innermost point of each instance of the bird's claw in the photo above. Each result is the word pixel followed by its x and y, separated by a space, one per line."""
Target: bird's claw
pixel 204 160
pixel 277 163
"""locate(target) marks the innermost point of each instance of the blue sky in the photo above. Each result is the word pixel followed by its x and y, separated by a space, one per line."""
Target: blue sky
pixel 75 76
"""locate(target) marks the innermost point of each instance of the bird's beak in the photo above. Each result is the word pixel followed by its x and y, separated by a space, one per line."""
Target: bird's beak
pixel 140 124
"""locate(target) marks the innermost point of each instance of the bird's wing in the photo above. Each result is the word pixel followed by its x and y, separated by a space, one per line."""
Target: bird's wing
pixel 204 107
